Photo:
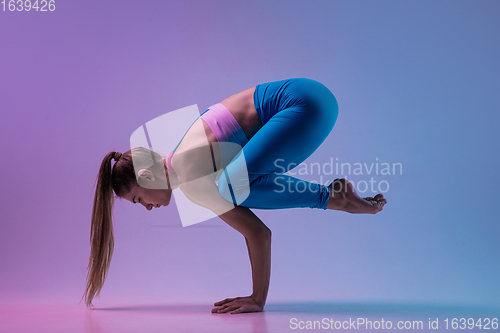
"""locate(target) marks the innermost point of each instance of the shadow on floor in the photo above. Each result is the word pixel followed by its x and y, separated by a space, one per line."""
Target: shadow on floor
pixel 387 308
pixel 184 308
pixel 333 308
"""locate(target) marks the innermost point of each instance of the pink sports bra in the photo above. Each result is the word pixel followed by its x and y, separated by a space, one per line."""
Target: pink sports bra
pixel 225 128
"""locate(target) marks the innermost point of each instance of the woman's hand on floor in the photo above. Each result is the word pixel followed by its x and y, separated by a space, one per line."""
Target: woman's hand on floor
pixel 237 305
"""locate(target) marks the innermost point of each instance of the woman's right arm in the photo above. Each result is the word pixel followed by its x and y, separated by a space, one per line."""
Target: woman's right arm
pixel 201 189
pixel 258 239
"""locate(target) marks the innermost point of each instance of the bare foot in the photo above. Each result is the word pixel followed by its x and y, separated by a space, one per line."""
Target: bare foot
pixel 343 197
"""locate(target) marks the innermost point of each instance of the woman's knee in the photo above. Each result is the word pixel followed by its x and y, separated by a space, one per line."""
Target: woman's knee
pixel 234 185
pixel 224 189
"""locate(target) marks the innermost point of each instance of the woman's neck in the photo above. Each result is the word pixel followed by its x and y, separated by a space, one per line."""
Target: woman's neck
pixel 172 179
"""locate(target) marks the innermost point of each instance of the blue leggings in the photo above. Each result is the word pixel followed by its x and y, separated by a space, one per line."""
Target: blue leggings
pixel 297 115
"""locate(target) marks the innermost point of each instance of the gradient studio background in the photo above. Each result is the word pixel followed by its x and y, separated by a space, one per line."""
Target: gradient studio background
pixel 417 84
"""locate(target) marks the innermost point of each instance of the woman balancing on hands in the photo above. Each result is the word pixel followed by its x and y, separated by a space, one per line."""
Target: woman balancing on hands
pixel 272 125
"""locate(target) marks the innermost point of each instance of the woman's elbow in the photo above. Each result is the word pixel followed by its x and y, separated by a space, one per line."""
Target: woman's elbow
pixel 263 233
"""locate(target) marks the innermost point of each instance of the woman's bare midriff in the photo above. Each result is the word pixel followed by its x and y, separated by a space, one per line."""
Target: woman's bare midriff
pixel 242 107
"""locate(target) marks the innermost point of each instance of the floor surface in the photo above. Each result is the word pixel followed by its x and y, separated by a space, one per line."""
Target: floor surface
pixel 285 317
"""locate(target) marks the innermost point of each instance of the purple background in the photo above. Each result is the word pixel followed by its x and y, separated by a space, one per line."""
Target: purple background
pixel 416 81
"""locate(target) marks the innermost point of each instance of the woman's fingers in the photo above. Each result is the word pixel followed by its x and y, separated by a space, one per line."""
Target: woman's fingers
pixel 217 309
pixel 239 305
pixel 229 308
pixel 241 309
pixel 224 306
pixel 227 300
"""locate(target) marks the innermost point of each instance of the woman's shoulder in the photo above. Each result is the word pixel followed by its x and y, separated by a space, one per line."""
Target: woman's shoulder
pixel 193 137
pixel 193 156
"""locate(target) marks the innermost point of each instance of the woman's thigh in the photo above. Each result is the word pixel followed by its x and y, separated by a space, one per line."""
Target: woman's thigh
pixel 288 138
pixel 292 134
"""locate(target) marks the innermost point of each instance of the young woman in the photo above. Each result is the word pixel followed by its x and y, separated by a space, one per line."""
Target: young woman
pixel 272 125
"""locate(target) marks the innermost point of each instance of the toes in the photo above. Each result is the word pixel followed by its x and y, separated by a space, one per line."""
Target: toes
pixel 380 198
pixel 380 206
pixel 375 206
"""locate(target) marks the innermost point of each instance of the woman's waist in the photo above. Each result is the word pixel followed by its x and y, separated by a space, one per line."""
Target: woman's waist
pixel 224 125
pixel 242 107
pixel 228 132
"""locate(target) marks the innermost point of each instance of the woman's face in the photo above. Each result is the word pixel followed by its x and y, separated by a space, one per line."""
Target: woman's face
pixel 149 198
pixel 152 189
